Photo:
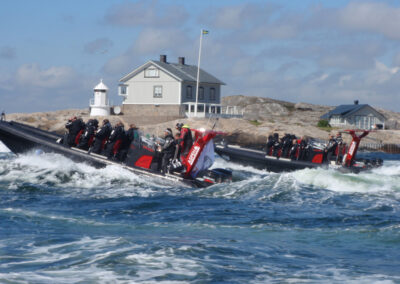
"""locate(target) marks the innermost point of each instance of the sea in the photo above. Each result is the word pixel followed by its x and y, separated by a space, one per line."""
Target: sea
pixel 67 222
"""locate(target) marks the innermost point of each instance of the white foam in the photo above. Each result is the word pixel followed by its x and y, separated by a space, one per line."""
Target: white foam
pixel 3 148
pixel 385 179
pixel 80 179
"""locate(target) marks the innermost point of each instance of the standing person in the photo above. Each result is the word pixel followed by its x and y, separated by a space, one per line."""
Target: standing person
pixel 101 137
pixel 167 150
pixel 185 140
pixel 75 126
pixel 114 141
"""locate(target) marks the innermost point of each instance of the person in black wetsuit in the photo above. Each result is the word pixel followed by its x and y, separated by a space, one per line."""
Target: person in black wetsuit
pixel 132 134
pixel 167 150
pixel 303 148
pixel 276 146
pixel 100 137
pixel 87 135
pixel 330 148
pixel 270 143
pixel 286 145
pixel 293 149
pixel 74 126
pixel 115 140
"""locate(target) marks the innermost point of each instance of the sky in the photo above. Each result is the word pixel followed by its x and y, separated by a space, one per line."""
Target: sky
pixel 52 53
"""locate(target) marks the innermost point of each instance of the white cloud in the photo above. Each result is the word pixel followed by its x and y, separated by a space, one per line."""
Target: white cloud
pixel 146 13
pixel 381 73
pixel 372 17
pixel 53 77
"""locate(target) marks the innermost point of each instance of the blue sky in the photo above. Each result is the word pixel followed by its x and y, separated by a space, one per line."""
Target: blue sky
pixel 52 53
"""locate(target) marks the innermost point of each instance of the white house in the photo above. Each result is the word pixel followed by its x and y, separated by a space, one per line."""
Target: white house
pixel 169 89
pixel 361 116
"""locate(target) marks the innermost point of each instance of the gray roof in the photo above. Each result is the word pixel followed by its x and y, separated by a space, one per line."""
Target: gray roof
pixel 187 73
pixel 345 110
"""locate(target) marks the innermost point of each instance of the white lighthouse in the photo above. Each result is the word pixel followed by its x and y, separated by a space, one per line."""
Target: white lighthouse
pixel 100 105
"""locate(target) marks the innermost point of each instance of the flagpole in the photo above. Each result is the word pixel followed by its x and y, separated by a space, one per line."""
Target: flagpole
pixel 198 75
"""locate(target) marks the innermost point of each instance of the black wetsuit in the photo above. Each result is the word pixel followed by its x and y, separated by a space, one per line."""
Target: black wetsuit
pixel 330 149
pixel 117 133
pixel 286 145
pixel 90 129
pixel 293 151
pixel 168 151
pixel 74 127
pixel 101 135
pixel 270 143
pixel 131 135
pixel 186 141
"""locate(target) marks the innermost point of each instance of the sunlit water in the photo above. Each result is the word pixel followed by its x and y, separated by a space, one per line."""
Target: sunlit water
pixel 63 222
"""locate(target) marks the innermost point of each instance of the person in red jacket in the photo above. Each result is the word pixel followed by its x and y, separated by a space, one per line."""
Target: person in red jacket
pixel 185 139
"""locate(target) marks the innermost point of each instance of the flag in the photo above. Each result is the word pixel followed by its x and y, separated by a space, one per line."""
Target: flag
pixel 205 32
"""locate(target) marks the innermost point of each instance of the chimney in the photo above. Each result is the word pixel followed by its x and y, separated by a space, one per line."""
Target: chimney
pixel 163 58
pixel 181 60
pixel 356 102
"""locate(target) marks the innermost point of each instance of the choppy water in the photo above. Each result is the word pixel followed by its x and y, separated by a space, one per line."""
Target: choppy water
pixel 62 222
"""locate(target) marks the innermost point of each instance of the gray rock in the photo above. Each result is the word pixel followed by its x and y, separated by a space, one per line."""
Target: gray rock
pixel 303 107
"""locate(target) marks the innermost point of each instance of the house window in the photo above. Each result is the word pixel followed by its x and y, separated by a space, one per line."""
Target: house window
pixel 201 93
pixel 212 94
pixel 200 108
pixel 123 89
pixel 151 72
pixel 157 92
pixel 189 92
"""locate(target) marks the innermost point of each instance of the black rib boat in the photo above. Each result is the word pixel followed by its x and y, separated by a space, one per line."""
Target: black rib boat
pixel 260 159
pixel 20 138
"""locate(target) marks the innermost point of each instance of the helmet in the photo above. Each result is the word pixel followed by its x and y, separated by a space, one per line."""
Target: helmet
pixel 185 126
pixel 178 125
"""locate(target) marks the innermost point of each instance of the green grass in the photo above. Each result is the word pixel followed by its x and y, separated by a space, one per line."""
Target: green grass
pixel 255 122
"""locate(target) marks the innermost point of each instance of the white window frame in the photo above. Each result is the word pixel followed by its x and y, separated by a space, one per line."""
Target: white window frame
pixel 123 89
pixel 152 72
pixel 157 95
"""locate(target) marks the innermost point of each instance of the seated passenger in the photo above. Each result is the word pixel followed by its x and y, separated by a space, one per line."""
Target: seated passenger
pixel 167 150
pixel 303 143
pixel 286 145
pixel 270 143
pixel 101 137
pixel 293 154
pixel 330 148
pixel 88 134
pixel 132 134
pixel 75 126
pixel 114 141
pixel 276 146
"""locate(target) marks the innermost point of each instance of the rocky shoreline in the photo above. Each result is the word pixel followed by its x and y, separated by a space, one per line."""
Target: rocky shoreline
pixel 262 116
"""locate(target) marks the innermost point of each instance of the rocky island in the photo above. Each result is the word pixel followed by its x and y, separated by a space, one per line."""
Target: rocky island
pixel 261 117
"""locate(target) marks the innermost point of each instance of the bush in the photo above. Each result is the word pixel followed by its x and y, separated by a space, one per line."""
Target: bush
pixel 323 123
